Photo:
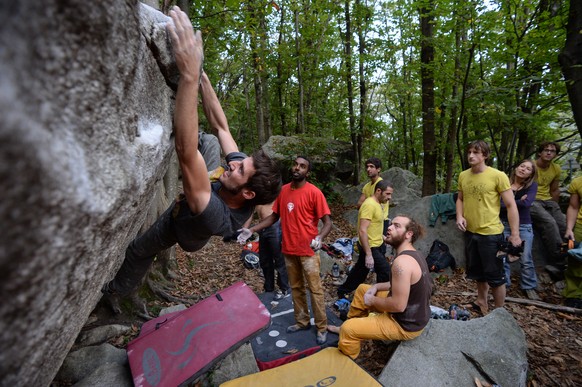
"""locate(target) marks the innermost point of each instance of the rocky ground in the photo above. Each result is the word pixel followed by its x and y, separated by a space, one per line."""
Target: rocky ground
pixel 553 336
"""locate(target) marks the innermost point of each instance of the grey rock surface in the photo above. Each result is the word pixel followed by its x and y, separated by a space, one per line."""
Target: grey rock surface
pixel 495 342
pixel 83 362
pixel 107 375
pixel 101 334
pixel 172 309
pixel 86 106
pixel 239 363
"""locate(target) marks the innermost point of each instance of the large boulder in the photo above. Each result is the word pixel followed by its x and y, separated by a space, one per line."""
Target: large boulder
pixel 453 353
pixel 407 186
pixel 86 105
pixel 448 232
pixel 330 158
pixel 407 200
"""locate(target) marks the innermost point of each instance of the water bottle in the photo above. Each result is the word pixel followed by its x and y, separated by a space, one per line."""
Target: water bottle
pixel 335 272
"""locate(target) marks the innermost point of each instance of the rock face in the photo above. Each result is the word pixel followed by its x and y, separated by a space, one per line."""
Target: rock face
pixel 86 107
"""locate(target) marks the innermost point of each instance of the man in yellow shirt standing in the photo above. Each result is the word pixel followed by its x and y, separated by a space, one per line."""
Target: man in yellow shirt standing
pixel 478 206
pixel 370 240
pixel 547 217
pixel 373 168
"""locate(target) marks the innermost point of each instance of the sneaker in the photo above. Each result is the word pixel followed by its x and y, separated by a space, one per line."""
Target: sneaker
pixel 531 294
pixel 280 294
pixel 321 337
pixel 296 328
pixel 113 300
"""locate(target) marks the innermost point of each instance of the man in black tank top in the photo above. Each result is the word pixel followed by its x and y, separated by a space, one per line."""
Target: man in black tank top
pixel 395 310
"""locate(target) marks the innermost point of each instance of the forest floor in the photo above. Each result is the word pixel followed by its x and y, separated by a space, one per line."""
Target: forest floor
pixel 554 342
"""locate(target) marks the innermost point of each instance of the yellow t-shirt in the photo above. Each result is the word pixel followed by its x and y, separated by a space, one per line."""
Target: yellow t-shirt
pixel 368 191
pixel 545 178
pixel 576 188
pixel 481 199
pixel 372 211
pixel 370 187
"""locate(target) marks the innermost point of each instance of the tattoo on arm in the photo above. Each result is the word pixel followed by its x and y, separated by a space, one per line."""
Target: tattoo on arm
pixel 397 270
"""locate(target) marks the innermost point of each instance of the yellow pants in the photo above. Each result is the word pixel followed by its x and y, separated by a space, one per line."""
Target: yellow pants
pixel 365 325
pixel 305 271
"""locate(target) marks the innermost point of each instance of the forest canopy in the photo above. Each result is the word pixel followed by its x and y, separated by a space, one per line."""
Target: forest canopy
pixel 410 82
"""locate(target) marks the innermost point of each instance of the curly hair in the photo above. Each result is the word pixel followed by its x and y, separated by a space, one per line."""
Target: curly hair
pixel 416 228
pixel 309 165
pixel 266 182
pixel 544 144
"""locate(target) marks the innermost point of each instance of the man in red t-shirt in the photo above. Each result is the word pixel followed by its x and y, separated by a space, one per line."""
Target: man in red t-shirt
pixel 300 206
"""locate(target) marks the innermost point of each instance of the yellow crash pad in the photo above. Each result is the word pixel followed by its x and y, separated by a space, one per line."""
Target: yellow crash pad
pixel 328 367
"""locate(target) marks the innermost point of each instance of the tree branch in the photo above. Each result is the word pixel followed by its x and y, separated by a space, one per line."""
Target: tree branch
pixel 539 304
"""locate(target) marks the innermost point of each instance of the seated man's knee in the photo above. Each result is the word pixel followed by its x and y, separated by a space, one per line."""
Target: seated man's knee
pixel 349 328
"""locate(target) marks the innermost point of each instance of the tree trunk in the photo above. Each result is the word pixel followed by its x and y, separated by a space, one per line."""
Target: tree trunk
pixel 462 121
pixel 280 82
pixel 352 119
pixel 452 130
pixel 571 61
pixel 527 98
pixel 301 107
pixel 264 77
pixel 427 80
pixel 363 91
pixel 258 52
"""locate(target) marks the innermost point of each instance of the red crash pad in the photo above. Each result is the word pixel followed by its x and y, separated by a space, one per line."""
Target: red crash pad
pixel 179 347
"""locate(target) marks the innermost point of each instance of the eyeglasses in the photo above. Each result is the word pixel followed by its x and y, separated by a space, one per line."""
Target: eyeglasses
pixel 550 150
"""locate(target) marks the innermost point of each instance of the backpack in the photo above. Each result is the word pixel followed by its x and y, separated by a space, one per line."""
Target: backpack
pixel 439 257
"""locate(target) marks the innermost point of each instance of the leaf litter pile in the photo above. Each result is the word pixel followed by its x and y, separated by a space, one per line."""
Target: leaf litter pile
pixel 553 337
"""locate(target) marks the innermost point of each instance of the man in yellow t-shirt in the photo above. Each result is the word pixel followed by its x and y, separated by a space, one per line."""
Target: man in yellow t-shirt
pixel 373 169
pixel 547 217
pixel 370 240
pixel 480 188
